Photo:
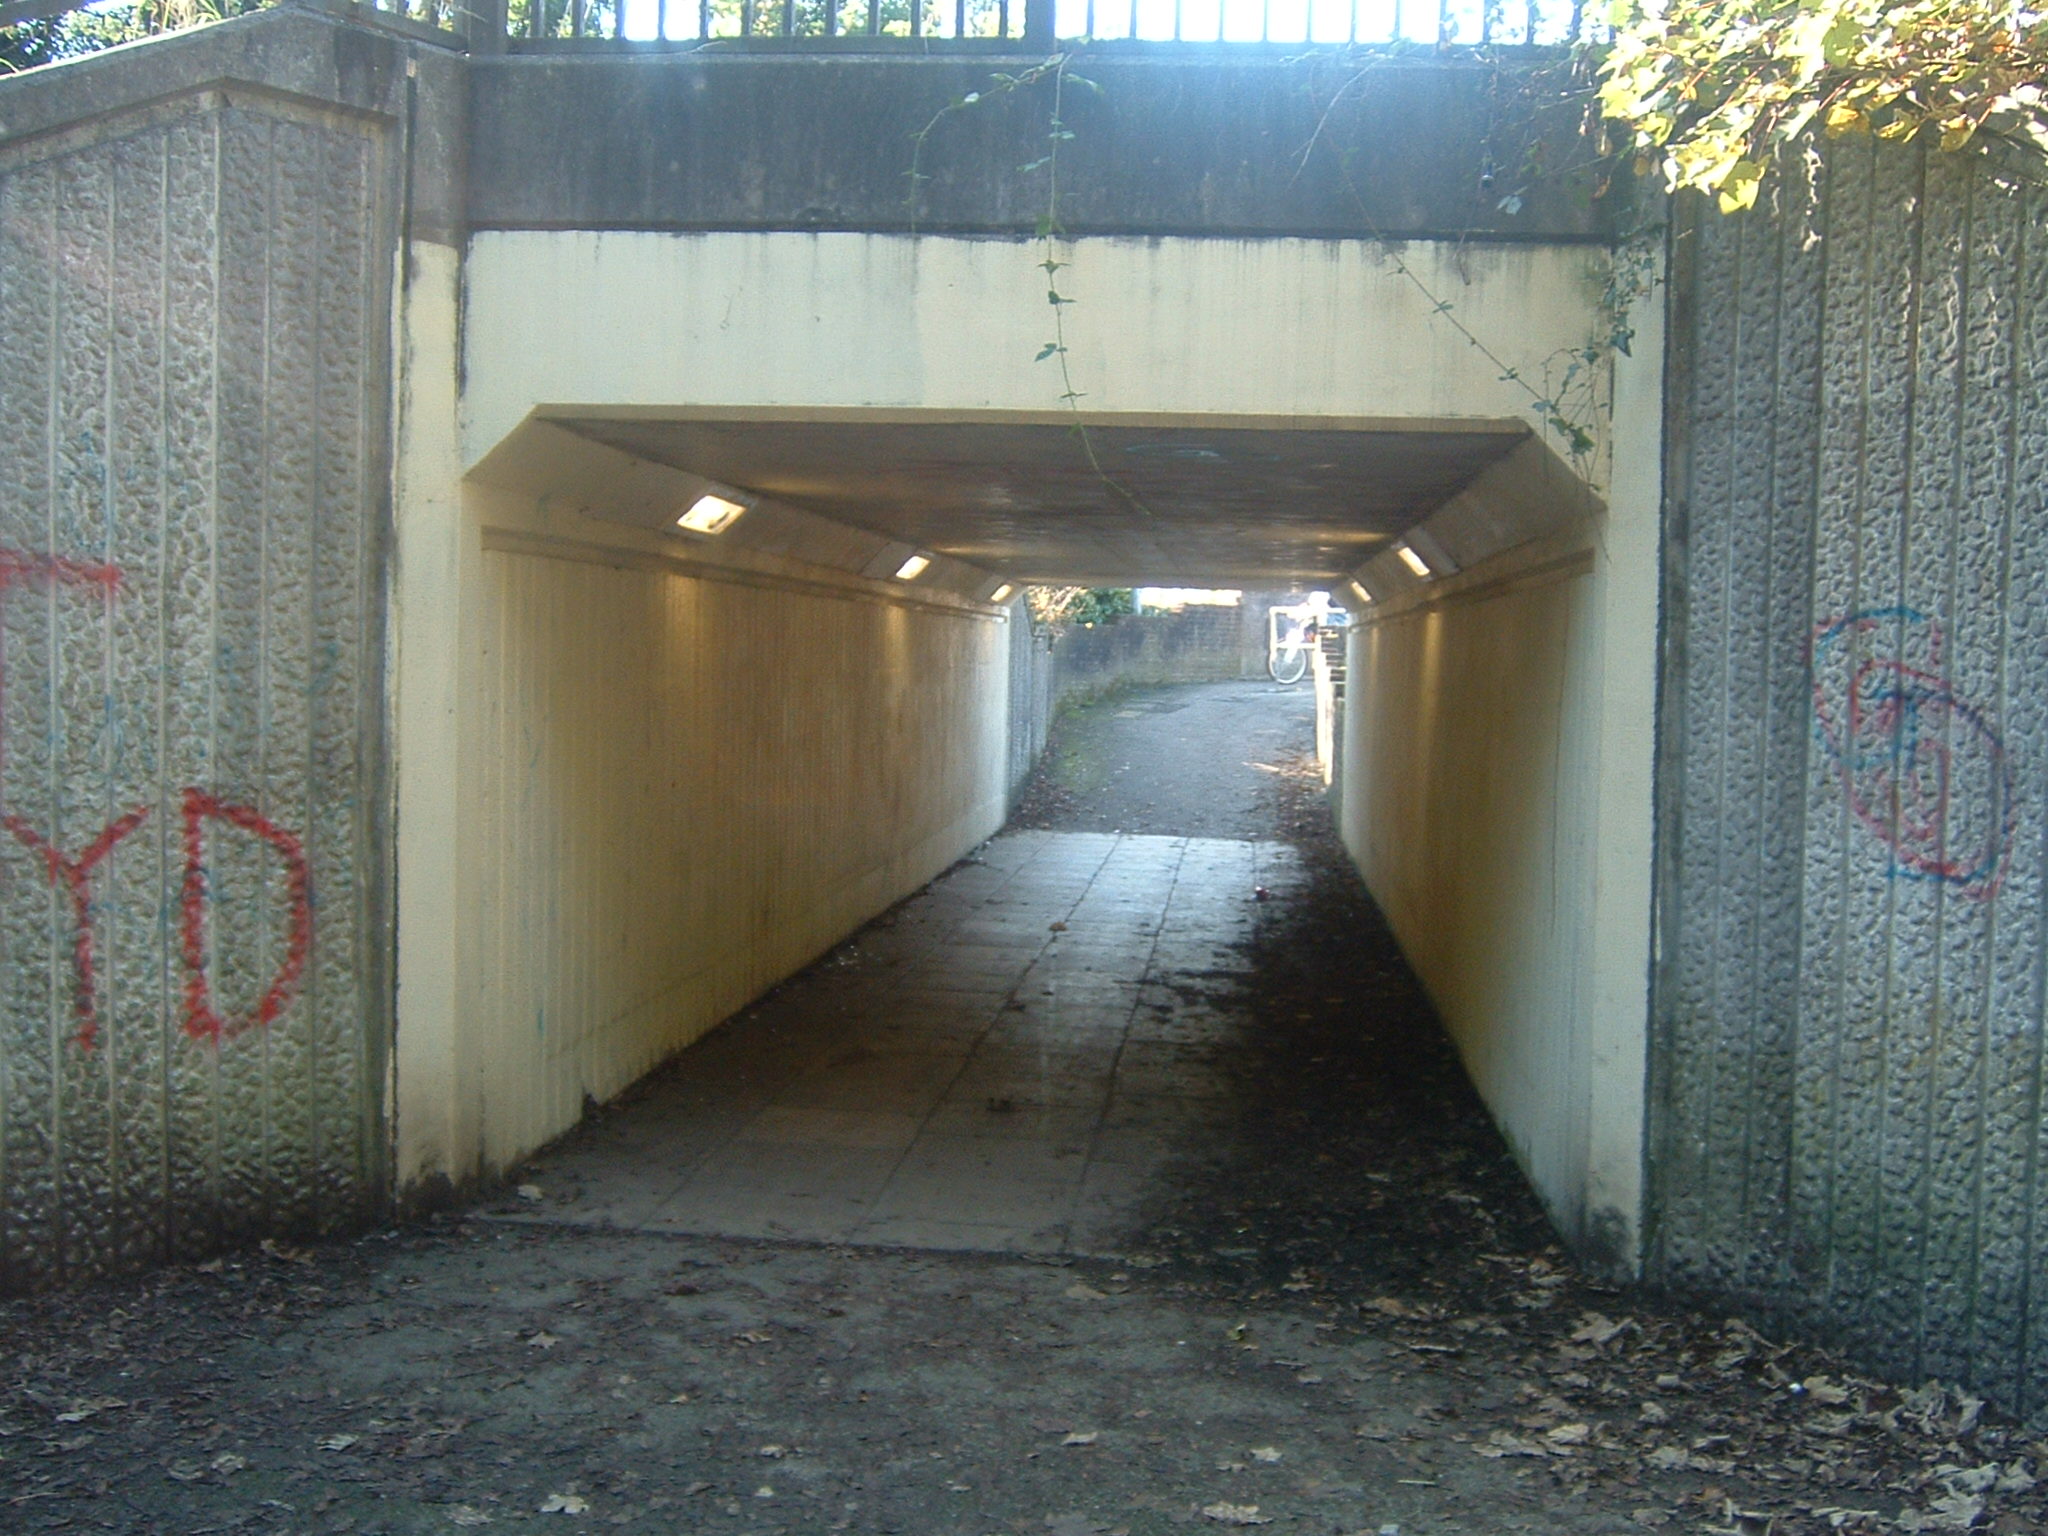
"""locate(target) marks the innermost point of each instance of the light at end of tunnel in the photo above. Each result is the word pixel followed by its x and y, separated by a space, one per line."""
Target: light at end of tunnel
pixel 1002 593
pixel 711 514
pixel 912 568
pixel 1413 561
pixel 1359 587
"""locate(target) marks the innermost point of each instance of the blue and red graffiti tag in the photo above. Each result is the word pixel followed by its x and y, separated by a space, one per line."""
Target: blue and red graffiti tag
pixel 1923 770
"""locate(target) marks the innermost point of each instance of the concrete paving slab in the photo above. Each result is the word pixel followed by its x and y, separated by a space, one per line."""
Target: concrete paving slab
pixel 1008 1061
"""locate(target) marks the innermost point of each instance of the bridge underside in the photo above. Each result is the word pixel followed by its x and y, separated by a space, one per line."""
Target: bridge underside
pixel 1102 505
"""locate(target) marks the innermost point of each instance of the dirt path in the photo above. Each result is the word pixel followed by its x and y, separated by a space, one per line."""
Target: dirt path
pixel 1344 1316
pixel 1198 760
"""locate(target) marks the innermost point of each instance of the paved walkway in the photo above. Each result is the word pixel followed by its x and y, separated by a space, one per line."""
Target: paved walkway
pixel 1013 1060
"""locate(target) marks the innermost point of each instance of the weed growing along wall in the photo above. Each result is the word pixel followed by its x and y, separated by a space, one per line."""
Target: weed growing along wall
pixel 1847 1073
pixel 190 461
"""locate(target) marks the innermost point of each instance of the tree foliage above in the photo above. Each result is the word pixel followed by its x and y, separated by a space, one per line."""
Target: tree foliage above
pixel 1712 90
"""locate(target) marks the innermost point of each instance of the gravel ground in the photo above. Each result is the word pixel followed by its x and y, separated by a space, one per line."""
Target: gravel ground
pixel 1196 760
pixel 1346 1316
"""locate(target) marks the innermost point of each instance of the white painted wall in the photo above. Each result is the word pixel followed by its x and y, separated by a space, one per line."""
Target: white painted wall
pixel 1496 794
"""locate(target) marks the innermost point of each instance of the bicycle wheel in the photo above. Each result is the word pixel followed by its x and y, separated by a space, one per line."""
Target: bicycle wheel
pixel 1287 664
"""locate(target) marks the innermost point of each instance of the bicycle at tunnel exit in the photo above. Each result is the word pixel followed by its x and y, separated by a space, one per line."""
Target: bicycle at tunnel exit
pixel 1292 631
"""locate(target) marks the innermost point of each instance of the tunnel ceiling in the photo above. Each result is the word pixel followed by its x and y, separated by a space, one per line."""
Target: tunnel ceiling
pixel 1229 506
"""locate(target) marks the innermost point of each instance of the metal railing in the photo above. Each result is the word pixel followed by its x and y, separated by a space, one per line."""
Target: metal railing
pixel 1354 23
pixel 842 23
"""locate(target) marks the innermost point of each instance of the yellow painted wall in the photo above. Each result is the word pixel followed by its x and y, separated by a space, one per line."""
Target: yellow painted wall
pixel 634 790
pixel 1496 795
pixel 1467 789
pixel 1292 331
pixel 684 789
pixel 1525 907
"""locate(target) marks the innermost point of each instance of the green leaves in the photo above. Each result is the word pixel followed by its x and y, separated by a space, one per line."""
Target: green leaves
pixel 1712 92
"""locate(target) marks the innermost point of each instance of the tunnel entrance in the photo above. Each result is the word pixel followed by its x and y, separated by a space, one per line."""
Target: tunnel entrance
pixel 745 679
pixel 1097 1035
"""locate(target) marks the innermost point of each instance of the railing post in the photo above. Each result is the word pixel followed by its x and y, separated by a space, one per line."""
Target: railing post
pixel 488 21
pixel 1039 31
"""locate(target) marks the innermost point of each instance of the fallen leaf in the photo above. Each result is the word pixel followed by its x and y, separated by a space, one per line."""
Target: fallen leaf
pixel 543 1341
pixel 1080 1290
pixel 227 1464
pixel 1953 1511
pixel 1596 1328
pixel 339 1442
pixel 1501 1443
pixel 564 1504
pixel 530 1192
pixel 1569 1434
pixel 773 1452
pixel 78 1413
pixel 463 1514
pixel 1266 1453
pixel 1082 1437
pixel 1236 1514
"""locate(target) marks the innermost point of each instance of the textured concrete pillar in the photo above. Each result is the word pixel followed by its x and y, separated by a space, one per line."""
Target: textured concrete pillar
pixel 1847 1062
pixel 193 470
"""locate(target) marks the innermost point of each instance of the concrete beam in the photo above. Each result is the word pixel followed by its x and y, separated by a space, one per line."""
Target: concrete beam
pixel 1197 142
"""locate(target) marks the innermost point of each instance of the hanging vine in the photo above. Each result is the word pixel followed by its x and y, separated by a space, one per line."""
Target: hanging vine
pixel 1048 233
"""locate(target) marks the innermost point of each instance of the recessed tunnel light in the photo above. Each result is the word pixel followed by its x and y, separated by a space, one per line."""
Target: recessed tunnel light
pixel 711 514
pixel 1359 587
pixel 1002 593
pixel 912 568
pixel 1413 561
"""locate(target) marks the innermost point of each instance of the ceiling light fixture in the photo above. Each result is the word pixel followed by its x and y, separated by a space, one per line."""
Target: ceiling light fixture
pixel 1359 587
pixel 912 568
pixel 1413 561
pixel 1002 593
pixel 711 514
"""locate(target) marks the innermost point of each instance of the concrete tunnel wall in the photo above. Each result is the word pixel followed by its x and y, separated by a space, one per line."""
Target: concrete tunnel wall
pixel 1495 791
pixel 686 788
pixel 1181 331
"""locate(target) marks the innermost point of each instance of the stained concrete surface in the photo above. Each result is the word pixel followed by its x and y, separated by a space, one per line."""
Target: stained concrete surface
pixel 1019 1058
pixel 1008 1061
pixel 1337 1311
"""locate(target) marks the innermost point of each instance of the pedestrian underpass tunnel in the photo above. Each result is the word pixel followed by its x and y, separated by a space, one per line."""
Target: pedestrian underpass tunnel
pixel 505 557
pixel 674 764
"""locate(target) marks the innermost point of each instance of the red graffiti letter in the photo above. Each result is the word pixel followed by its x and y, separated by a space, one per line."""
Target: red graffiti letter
pixel 75 877
pixel 202 1020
